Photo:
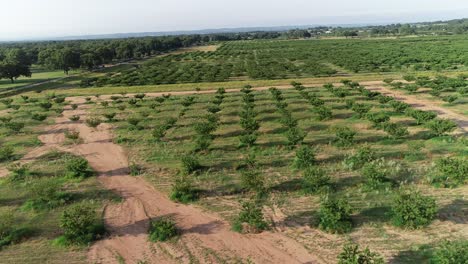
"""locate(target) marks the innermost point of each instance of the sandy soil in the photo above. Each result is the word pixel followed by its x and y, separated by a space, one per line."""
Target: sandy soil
pixel 205 237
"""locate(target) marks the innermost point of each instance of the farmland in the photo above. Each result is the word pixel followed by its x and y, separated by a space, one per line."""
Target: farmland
pixel 194 156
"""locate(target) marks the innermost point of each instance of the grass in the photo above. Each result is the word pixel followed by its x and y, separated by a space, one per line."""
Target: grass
pixel 219 182
pixel 38 75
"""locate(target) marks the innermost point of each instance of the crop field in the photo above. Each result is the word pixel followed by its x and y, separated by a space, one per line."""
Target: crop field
pixel 281 59
pixel 283 125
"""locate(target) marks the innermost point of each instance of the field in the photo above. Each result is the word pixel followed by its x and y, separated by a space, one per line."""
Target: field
pixel 244 172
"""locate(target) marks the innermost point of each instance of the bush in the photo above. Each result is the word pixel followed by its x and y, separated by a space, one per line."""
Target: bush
pixel 441 126
pixel 305 158
pixel 344 136
pixel 140 96
pixel 412 210
pixel 374 174
pixel 38 117
pixel 314 179
pixel 351 254
pixel 450 172
pixel 162 229
pixel 45 105
pixel 295 136
pixel 395 130
pixel 182 190
pixel 109 116
pixel 9 234
pixel 250 219
pixel 361 109
pixel 74 106
pixel 74 118
pixel 72 135
pixel 80 224
pixel 399 107
pixel 253 180
pixel 361 157
pixel 190 164
pixel 378 119
pixel 202 143
pixel 46 194
pixel 248 139
pixel 78 167
pixel 19 172
pixel 335 216
pixel 93 122
pixel 451 252
pixel 15 127
pixel 323 113
pixel 421 116
pixel 213 108
pixel 6 153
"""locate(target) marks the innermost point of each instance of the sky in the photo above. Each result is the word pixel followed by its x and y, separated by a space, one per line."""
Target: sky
pixel 29 19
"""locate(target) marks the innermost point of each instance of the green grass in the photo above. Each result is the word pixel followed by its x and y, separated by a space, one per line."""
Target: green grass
pixel 38 76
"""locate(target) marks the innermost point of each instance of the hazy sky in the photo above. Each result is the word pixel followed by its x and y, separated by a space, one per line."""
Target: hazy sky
pixel 48 18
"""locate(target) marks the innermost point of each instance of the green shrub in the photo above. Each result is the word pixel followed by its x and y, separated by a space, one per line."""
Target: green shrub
pixel 19 172
pixel 93 122
pixel 105 104
pixel 15 127
pixel 59 99
pixel 374 174
pixel 183 190
pixel 409 78
pixel 248 139
pixel 399 107
pixel 80 224
pixel 450 99
pixel 395 130
pixel 305 157
pixel 213 108
pixel 159 132
pixel 9 233
pixel 359 158
pixel 378 119
pixel 421 116
pixel 450 172
pixel 74 118
pixel 335 216
pixel 74 106
pixel 202 143
pixel 140 96
pixel 295 136
pixel 412 210
pixel 250 218
pixel 451 252
pixel 46 194
pixel 351 254
pixel 361 109
pixel 162 229
pixel 441 126
pixel 384 99
pixel 6 153
pixel 109 116
pixel 344 136
pixel 45 105
pixel 314 179
pixel 190 164
pixel 78 167
pixel 136 169
pixel 253 180
pixel 72 135
pixel 38 117
pixel 323 113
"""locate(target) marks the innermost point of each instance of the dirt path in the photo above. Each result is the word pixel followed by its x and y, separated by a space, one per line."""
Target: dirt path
pixel 205 238
pixel 423 104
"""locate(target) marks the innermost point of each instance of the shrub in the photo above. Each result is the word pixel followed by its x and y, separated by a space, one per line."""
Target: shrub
pixel 205 128
pixel 74 118
pixel 121 107
pixel 351 254
pixel 45 105
pixel 72 135
pixel 451 252
pixel 305 157
pixel 384 99
pixel 412 210
pixel 450 172
pixel 190 164
pixel 253 180
pixel 395 130
pixel 6 153
pixel 93 122
pixel 409 78
pixel 38 117
pixel 374 174
pixel 249 124
pixel 295 136
pixel 136 169
pixel 441 126
pixel 344 136
pixel 162 229
pixel 361 157
pixel 140 96
pixel 314 179
pixel 323 113
pixel 109 116
pixel 188 101
pixel 46 194
pixel 15 127
pixel 19 172
pixel 78 167
pixel 9 233
pixel 59 99
pixel 335 216
pixel 361 109
pixel 248 139
pixel 378 119
pixel 80 224
pixel 421 116
pixel 105 104
pixel 133 121
pixel 450 99
pixel 202 142
pixel 250 218
pixel 388 80
pixel 399 107
pixel 182 190
pixel 159 132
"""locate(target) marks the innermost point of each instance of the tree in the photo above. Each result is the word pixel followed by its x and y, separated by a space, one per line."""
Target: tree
pixel 68 59
pixel 15 64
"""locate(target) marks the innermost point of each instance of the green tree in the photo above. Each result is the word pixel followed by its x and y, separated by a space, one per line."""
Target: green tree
pixel 15 64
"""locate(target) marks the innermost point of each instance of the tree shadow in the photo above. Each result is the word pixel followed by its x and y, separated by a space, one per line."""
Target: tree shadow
pixel 379 214
pixel 456 212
